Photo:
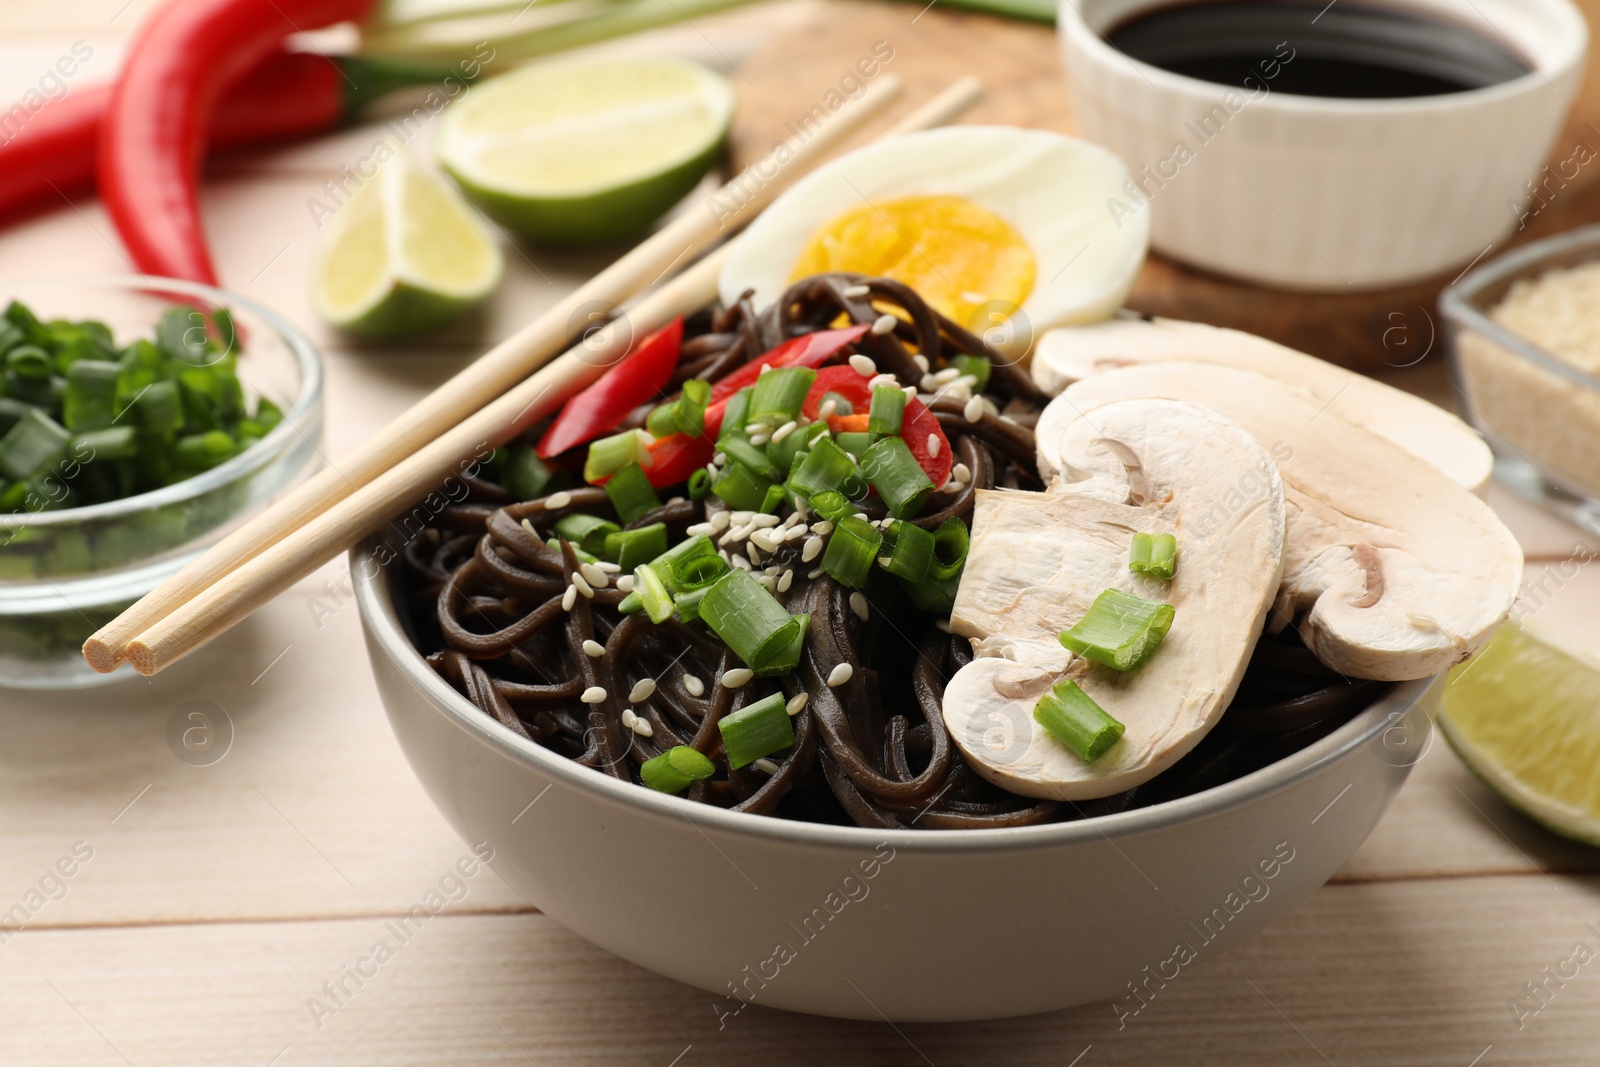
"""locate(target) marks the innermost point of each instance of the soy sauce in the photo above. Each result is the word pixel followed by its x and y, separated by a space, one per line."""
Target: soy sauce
pixel 1344 49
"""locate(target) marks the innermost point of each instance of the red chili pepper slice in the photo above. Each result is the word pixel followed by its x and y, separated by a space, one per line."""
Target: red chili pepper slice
pixel 916 425
pixel 635 379
pixel 675 457
pixel 152 138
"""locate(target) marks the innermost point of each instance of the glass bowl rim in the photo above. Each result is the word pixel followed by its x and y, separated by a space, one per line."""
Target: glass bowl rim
pixel 306 401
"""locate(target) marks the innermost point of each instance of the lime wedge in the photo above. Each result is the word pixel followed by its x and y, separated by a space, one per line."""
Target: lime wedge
pixel 405 254
pixel 584 152
pixel 1524 715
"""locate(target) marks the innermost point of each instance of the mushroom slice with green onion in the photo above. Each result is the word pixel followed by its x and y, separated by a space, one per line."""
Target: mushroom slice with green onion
pixel 1392 569
pixel 1038 562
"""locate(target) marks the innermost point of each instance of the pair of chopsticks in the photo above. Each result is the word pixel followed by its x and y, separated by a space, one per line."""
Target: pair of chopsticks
pixel 491 402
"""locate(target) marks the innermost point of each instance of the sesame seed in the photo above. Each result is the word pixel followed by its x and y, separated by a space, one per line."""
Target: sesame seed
pixel 786 580
pixel 717 460
pixel 823 528
pixel 693 685
pixel 593 649
pixel 812 549
pixel 883 379
pixel 961 473
pixel 526 525
pixel 824 413
pixel 863 365
pixel 840 675
pixel 862 515
pixel 625 583
pixel 921 361
pixel 643 728
pixel 794 517
pixel 754 552
pixel 644 689
pixel 736 677
pixel 719 521
pixel 766 582
pixel 629 718
pixel 582 585
pixel 556 501
pixel 764 368
pixel 764 765
pixel 883 324
pixel 766 540
pixel 796 702
pixel 814 575
pixel 645 437
pixel 794 533
pixel 933 446
pixel 609 567
pixel 856 291
pixel 858 604
pixel 699 528
pixel 927 384
pixel 974 409
pixel 942 624
pixel 594 576
pixel 910 391
pixel 673 499
pixel 948 375
pixel 759 439
pixel 785 430
pixel 569 598
pixel 594 695
pixel 739 561
pixel 761 518
pixel 740 517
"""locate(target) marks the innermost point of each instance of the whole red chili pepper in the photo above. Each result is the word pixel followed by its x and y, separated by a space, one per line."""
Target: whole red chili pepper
pixel 674 457
pixel 153 137
pixel 635 379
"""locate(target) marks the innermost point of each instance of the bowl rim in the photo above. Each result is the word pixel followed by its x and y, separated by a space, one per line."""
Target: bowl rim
pixel 302 409
pixel 376 607
pixel 1562 20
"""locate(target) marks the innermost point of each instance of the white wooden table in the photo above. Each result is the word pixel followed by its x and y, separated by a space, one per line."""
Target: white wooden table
pixel 215 901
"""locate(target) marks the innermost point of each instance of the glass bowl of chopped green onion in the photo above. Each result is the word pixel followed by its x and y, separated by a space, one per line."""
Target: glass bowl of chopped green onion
pixel 140 420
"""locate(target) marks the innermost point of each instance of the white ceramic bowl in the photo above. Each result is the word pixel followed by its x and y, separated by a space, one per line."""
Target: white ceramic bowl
pixel 931 925
pixel 1328 194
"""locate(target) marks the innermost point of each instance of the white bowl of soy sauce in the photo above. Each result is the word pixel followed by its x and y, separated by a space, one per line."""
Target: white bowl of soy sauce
pixel 1302 144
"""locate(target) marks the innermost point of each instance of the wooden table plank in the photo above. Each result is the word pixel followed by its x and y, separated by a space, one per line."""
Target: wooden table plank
pixel 1385 974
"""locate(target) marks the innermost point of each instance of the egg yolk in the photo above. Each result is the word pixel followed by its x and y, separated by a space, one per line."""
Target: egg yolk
pixel 956 254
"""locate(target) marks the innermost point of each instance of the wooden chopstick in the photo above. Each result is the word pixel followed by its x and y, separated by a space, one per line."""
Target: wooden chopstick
pixel 724 211
pixel 252 583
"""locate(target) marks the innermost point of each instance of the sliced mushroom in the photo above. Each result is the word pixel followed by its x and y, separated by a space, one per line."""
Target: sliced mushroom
pixel 1399 571
pixel 1068 355
pixel 1038 560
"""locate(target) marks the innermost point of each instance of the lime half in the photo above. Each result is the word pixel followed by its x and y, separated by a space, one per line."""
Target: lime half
pixel 585 152
pixel 404 254
pixel 1524 715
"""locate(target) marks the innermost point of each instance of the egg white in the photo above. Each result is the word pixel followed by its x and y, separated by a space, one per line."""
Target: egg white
pixel 1052 189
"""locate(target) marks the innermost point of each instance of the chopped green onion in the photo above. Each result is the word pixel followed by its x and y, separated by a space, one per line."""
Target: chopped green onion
pixel 851 549
pixel 854 443
pixel 653 595
pixel 11 413
pixel 588 532
pixel 933 596
pixel 30 361
pixel 699 484
pixel 976 366
pixel 910 551
pixel 691 564
pixel 522 472
pixel 1071 716
pixel 950 542
pixel 687 414
pixel 1120 631
pixel 749 620
pixel 631 493
pixel 160 408
pixel 776 495
pixel 733 415
pixel 32 446
pixel 739 450
pixel 888 410
pixel 112 442
pixel 743 489
pixel 583 556
pixel 841 406
pixel 688 604
pixel 789 658
pixel 758 730
pixel 631 604
pixel 1154 554
pixel 675 769
pixel 778 395
pixel 897 476
pixel 831 505
pixel 608 455
pixel 799 442
pixel 629 548
pixel 826 466
pixel 91 394
pixel 202 451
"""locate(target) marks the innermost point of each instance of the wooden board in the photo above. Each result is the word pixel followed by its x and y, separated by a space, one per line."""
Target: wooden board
pixel 1021 66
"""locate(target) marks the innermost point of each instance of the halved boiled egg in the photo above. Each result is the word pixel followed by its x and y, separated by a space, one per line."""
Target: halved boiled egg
pixel 1006 231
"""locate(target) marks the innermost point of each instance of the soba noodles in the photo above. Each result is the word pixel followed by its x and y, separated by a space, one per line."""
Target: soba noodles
pixel 493 612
